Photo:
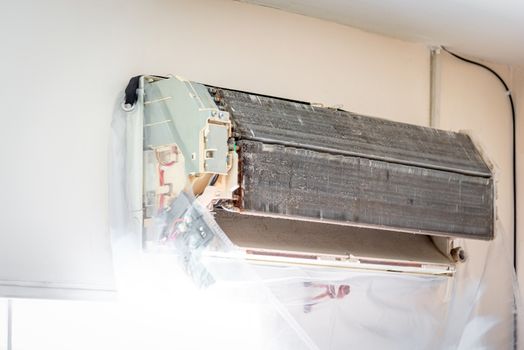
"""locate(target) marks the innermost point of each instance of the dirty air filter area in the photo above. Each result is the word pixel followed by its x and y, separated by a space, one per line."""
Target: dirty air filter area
pixel 320 228
pixel 320 163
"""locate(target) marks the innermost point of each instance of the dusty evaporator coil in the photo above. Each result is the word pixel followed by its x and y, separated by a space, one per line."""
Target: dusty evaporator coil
pixel 291 181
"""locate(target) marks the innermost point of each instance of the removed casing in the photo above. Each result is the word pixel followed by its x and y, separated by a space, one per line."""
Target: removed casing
pixel 256 155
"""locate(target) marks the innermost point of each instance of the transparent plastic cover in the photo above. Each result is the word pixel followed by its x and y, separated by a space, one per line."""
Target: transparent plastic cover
pixel 299 307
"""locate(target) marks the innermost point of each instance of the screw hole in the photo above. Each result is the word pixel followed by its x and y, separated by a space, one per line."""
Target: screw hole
pixel 458 254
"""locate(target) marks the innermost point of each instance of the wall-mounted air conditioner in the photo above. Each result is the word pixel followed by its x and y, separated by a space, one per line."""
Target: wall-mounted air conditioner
pixel 296 183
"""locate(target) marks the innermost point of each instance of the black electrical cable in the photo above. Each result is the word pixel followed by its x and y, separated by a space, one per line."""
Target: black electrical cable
pixel 513 145
pixel 213 180
pixel 130 95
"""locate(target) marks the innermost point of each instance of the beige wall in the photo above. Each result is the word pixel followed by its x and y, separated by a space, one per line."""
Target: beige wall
pixel 64 62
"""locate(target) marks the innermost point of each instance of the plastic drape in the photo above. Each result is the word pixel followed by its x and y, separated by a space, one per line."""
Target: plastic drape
pixel 300 307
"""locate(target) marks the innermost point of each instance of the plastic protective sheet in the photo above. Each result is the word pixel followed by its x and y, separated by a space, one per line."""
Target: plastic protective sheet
pixel 300 307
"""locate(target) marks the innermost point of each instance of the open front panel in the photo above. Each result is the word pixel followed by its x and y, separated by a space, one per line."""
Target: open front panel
pixel 297 160
pixel 268 156
pixel 282 241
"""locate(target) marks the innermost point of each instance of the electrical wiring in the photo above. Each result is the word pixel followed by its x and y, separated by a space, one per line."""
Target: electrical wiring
pixel 514 172
pixel 161 172
pixel 166 164
pixel 213 180
pixel 161 183
pixel 174 230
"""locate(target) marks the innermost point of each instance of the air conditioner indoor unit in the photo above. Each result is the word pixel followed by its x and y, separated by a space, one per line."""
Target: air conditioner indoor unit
pixel 291 182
